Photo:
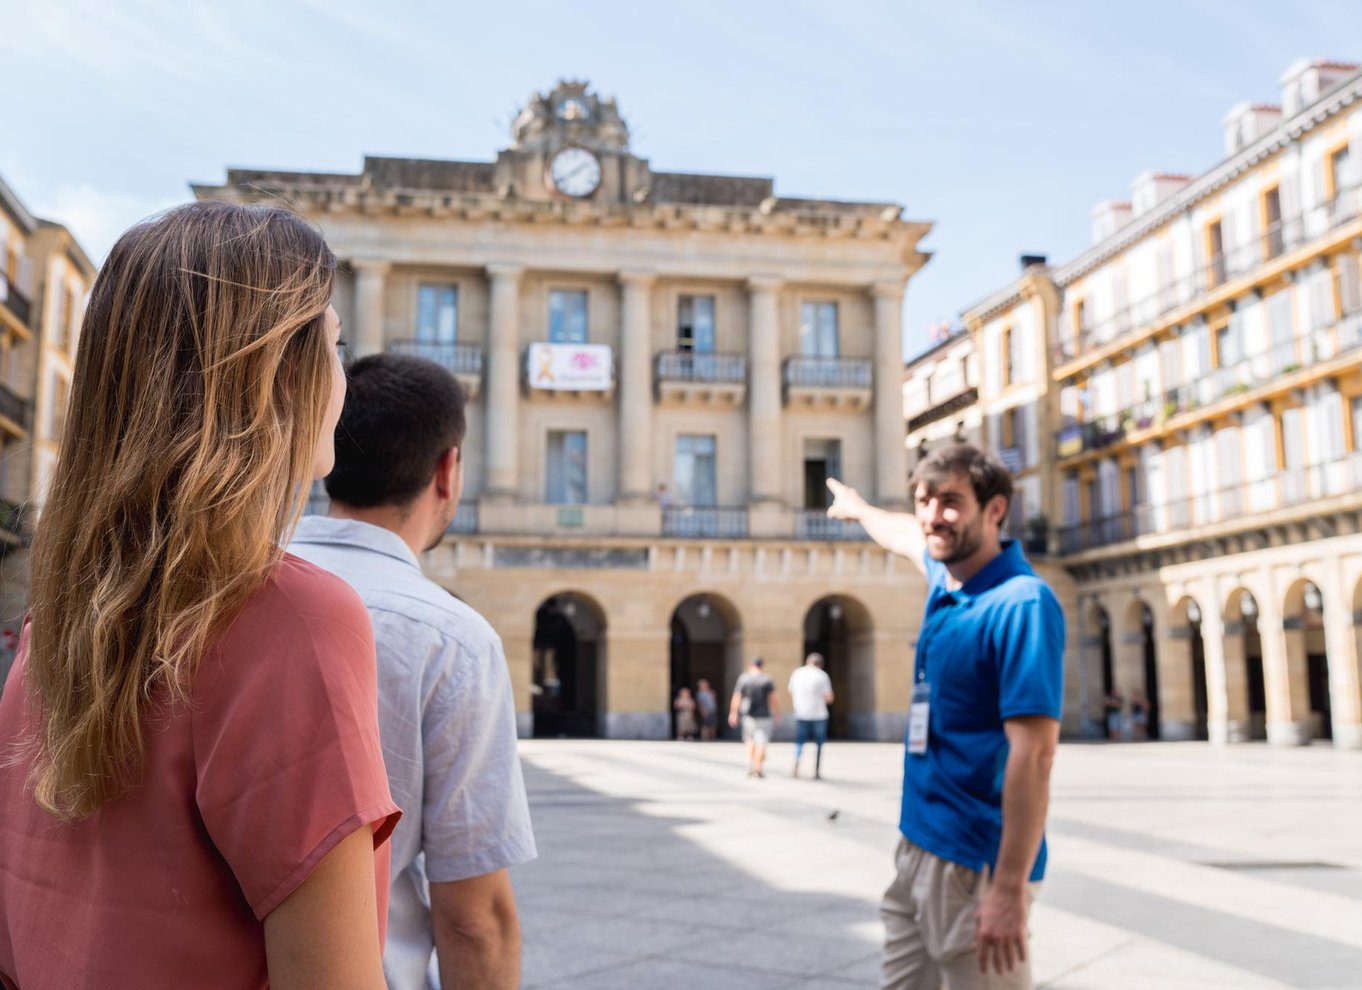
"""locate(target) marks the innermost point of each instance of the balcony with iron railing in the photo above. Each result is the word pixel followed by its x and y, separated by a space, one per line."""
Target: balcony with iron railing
pixel 1273 369
pixel 705 522
pixel 815 524
pixel 1244 503
pixel 463 360
pixel 959 400
pixel 14 298
pixel 701 377
pixel 465 516
pixel 1180 298
pixel 839 382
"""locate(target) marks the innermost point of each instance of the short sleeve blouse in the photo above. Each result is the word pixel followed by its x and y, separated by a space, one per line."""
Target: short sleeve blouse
pixel 245 790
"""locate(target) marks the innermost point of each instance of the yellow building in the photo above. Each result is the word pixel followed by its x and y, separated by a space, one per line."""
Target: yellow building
pixel 45 278
pixel 664 368
pixel 1198 427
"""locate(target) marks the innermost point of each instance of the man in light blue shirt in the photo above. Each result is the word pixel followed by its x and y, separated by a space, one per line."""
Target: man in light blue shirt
pixel 446 715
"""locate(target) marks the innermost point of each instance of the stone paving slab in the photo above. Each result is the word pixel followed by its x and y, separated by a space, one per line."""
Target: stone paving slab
pixel 1174 866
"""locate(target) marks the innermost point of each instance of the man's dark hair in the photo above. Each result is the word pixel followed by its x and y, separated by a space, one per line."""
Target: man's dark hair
pixel 401 414
pixel 985 472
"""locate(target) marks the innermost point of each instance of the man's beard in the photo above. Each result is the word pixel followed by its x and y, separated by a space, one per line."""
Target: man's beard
pixel 438 537
pixel 966 542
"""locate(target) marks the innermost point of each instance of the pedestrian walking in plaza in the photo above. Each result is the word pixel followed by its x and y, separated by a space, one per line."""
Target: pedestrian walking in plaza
pixel 445 706
pixel 810 695
pixel 983 726
pixel 708 707
pixel 687 725
pixel 193 789
pixel 1113 707
pixel 755 701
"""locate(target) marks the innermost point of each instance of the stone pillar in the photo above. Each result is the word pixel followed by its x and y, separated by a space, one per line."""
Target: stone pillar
pixel 891 459
pixel 370 277
pixel 766 439
pixel 636 401
pixel 1236 721
pixel 1340 640
pixel 503 384
pixel 1284 674
pixel 1177 702
pixel 636 701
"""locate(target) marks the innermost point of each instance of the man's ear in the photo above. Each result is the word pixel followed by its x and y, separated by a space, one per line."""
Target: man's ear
pixel 997 509
pixel 446 469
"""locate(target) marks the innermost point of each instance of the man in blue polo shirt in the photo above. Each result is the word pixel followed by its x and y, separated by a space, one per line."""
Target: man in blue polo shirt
pixel 988 684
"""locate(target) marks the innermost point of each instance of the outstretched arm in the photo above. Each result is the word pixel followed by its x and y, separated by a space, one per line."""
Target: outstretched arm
pixel 897 532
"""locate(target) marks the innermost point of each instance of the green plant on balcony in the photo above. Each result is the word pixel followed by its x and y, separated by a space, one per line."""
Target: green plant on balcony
pixel 1290 368
pixel 1238 388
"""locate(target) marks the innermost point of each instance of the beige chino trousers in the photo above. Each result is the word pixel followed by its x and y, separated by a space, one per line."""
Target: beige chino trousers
pixel 928 914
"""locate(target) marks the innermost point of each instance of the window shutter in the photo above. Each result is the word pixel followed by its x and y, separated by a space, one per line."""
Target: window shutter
pixel 1349 286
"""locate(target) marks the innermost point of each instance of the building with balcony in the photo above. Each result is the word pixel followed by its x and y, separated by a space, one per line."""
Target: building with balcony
pixel 1199 427
pixel 45 278
pixel 664 368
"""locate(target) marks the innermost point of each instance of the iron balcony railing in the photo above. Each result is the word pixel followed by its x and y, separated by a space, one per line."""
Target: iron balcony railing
pixel 705 522
pixel 828 372
pixel 1240 500
pixel 1280 237
pixel 814 524
pixel 461 359
pixel 16 408
pixel 961 400
pixel 701 366
pixel 1317 346
pixel 16 300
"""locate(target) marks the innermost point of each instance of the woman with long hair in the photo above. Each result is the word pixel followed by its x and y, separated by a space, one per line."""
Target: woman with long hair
pixel 192 791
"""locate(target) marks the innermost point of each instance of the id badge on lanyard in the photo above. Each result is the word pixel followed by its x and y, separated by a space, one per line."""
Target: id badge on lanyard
pixel 919 717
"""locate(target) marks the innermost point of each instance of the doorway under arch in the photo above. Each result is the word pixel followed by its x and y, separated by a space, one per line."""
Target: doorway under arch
pixel 706 644
pixel 567 674
pixel 840 628
pixel 1140 669
pixel 1307 660
pixel 1186 701
pixel 1245 685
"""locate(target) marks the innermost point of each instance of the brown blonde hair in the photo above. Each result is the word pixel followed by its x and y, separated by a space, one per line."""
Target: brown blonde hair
pixel 201 379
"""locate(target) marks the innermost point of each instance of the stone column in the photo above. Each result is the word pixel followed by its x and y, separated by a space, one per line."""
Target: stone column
pixel 1177 703
pixel 891 458
pixel 1229 645
pixel 370 277
pixel 503 383
pixel 636 401
pixel 1288 701
pixel 1340 642
pixel 766 438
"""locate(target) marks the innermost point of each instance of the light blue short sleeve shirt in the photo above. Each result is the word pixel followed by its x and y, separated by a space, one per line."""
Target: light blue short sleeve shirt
pixel 447 722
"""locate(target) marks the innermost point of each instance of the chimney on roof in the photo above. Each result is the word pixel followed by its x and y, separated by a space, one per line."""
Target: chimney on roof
pixel 1029 261
pixel 1247 122
pixel 1108 217
pixel 1151 188
pixel 1307 79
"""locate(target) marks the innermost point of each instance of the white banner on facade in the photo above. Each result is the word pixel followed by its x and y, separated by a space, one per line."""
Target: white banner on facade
pixel 570 367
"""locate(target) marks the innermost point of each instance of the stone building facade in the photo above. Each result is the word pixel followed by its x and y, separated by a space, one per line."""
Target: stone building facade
pixel 664 368
pixel 1192 397
pixel 45 278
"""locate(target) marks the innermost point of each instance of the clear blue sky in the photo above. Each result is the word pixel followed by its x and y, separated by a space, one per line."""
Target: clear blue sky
pixel 1002 122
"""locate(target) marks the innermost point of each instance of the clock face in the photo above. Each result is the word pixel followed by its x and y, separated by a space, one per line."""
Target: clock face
pixel 575 171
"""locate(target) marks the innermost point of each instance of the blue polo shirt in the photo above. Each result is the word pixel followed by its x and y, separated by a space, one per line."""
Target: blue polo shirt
pixel 991 650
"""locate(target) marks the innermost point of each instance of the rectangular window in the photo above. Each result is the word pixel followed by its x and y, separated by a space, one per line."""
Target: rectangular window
pixel 567 316
pixel 818 329
pixel 1229 343
pixel 72 303
pixel 1272 223
pixel 58 328
pixel 822 460
pixel 1281 331
pixel 695 324
pixel 1011 357
pixel 437 314
pixel 696 482
pixel 1215 254
pixel 566 475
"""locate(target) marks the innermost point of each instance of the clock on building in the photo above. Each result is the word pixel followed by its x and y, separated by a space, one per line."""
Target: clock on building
pixel 575 172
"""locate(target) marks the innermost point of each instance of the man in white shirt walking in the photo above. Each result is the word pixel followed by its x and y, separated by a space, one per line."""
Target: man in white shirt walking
pixel 811 693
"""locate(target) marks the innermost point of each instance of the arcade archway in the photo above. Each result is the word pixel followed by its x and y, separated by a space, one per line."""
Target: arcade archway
pixel 840 628
pixel 1245 687
pixel 567 676
pixel 706 644
pixel 1307 659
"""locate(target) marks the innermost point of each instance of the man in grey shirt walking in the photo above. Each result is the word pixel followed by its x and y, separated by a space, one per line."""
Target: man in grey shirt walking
pixel 446 715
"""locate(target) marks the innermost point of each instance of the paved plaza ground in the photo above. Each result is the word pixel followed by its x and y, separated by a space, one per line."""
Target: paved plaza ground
pixel 1175 866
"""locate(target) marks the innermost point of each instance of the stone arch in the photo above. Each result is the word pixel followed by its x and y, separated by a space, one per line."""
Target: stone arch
pixel 840 627
pixel 706 643
pixel 1184 697
pixel 1245 683
pixel 1308 704
pixel 568 667
pixel 1137 671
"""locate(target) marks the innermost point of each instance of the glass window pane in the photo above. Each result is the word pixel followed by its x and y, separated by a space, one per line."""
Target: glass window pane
pixel 818 329
pixel 695 475
pixel 703 325
pixel 565 478
pixel 567 316
pixel 437 314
